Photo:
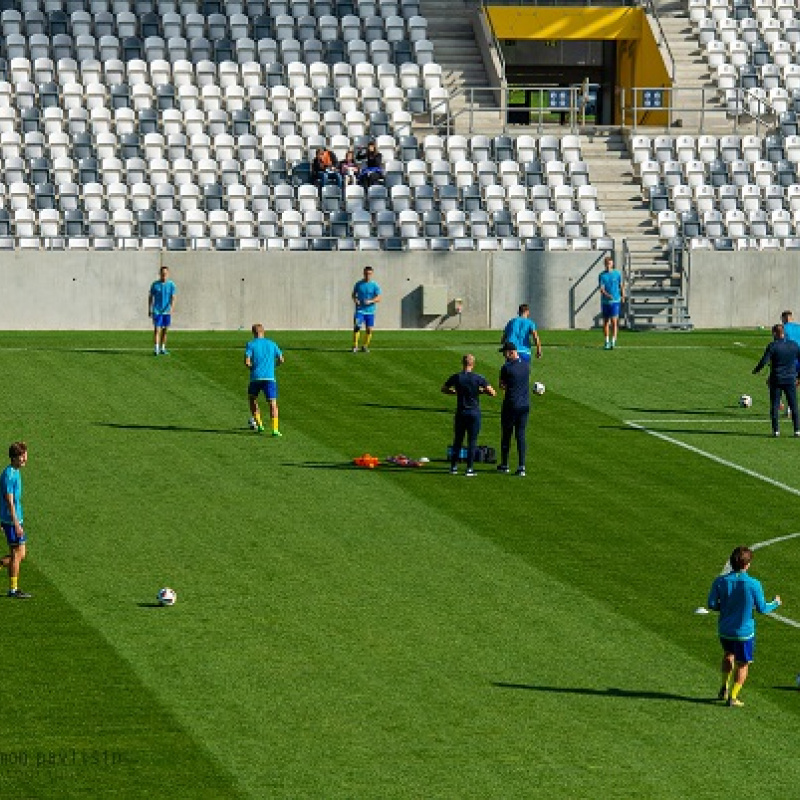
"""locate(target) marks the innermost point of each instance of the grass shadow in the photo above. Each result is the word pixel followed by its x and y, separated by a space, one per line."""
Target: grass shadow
pixel 349 465
pixel 695 432
pixel 174 428
pixel 698 412
pixel 612 691
pixel 429 409
pixel 150 605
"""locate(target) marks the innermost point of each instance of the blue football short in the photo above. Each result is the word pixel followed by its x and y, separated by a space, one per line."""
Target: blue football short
pixel 162 320
pixel 11 535
pixel 364 318
pixel 610 310
pixel 742 651
pixel 524 356
pixel 270 389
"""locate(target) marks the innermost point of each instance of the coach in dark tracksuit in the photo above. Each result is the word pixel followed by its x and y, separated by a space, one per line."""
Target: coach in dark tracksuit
pixel 515 380
pixel 782 356
pixel 467 386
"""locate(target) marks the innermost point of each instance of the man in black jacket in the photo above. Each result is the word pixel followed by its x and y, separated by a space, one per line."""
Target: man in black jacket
pixel 782 356
pixel 515 377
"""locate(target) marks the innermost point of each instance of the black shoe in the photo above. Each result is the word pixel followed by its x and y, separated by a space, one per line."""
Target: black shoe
pixel 520 472
pixel 470 473
pixel 19 594
pixel 502 468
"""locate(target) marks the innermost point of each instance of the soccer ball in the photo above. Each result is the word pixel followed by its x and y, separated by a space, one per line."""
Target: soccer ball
pixel 167 596
pixel 538 388
pixel 252 423
pixel 745 401
pixel 797 681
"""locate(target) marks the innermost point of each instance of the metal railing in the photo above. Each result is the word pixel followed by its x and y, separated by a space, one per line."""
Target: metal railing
pixel 677 105
pixel 481 100
pixel 695 109
pixel 661 39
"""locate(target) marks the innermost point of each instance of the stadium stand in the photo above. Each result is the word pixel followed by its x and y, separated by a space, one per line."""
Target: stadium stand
pixel 192 125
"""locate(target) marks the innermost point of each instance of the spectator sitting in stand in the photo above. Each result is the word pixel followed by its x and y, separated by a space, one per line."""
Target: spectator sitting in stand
pixel 349 169
pixel 324 169
pixel 371 166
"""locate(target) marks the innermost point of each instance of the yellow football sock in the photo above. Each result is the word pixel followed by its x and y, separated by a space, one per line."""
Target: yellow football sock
pixel 12 584
pixel 355 339
pixel 729 679
pixel 368 340
pixel 257 418
pixel 737 687
pixel 275 423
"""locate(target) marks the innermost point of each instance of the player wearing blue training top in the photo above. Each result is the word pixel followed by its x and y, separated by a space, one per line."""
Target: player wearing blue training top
pixel 612 295
pixel 521 332
pixel 467 386
pixel 736 595
pixel 366 295
pixel 11 516
pixel 791 330
pixel 261 356
pixel 160 305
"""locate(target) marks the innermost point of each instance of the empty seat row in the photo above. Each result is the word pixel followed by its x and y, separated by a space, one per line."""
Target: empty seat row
pixel 19 9
pixel 20 72
pixel 126 24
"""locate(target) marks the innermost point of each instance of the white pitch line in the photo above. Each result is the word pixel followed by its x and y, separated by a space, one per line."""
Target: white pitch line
pixel 783 619
pixel 711 457
pixel 696 420
pixel 724 462
pixel 777 539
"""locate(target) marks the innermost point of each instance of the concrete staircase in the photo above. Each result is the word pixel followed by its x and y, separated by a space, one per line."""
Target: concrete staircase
pixel 655 289
pixel 619 195
pixel 692 75
pixel 654 286
pixel 456 51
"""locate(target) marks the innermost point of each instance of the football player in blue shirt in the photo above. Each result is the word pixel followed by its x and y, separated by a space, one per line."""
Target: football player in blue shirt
pixel 366 294
pixel 11 516
pixel 612 295
pixel 791 330
pixel 261 356
pixel 160 305
pixel 521 331
pixel 736 595
pixel 467 386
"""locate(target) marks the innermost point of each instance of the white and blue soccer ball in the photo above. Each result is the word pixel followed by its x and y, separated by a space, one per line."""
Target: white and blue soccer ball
pixel 745 401
pixel 252 423
pixel 538 388
pixel 167 596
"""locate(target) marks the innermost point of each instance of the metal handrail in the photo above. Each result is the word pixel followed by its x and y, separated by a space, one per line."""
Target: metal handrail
pixel 441 116
pixel 495 43
pixel 662 42
pixel 626 271
pixel 766 114
pixel 632 112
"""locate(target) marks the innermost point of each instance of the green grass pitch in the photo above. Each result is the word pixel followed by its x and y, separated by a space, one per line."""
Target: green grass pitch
pixel 396 633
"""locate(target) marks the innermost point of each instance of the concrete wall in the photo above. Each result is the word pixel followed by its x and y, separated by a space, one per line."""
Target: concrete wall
pixel 742 288
pixel 108 291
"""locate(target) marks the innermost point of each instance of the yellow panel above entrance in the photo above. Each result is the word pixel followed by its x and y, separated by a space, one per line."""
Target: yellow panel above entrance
pixel 512 22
